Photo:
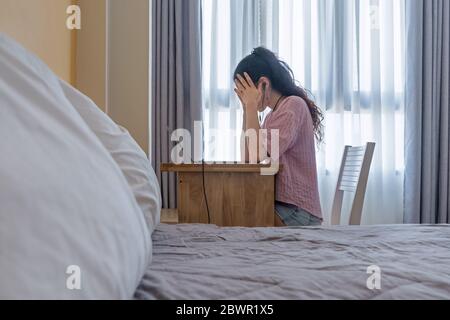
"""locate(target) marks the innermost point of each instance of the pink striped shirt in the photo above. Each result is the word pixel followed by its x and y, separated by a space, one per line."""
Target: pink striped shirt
pixel 296 183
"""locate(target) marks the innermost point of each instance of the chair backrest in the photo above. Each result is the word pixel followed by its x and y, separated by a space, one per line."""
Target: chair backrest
pixel 353 176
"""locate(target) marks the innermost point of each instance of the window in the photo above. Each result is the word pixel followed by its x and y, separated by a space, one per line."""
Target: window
pixel 349 54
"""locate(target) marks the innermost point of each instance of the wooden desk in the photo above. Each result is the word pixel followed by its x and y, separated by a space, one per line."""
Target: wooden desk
pixel 238 194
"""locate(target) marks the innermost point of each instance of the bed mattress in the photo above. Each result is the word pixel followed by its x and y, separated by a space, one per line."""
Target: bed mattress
pixel 208 262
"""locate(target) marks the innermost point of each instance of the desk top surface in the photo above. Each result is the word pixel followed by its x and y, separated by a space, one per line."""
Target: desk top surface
pixel 220 167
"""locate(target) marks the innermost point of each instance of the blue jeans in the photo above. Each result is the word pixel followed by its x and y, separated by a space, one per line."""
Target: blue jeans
pixel 293 216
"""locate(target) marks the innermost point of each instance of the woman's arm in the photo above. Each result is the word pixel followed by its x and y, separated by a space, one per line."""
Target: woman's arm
pixel 252 123
pixel 244 157
pixel 251 98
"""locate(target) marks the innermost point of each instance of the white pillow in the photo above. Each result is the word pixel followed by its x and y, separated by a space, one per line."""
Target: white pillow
pixel 130 158
pixel 63 200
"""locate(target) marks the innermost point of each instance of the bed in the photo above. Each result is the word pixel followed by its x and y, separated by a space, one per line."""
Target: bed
pixel 208 262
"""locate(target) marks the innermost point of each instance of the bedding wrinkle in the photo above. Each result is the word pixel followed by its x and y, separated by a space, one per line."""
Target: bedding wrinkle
pixel 298 263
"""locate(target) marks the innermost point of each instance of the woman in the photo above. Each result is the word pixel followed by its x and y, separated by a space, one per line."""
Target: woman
pixel 262 80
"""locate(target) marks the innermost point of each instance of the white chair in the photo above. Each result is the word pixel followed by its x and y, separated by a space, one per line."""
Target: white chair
pixel 353 177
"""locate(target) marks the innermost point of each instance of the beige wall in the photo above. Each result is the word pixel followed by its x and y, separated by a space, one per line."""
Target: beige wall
pixel 108 59
pixel 113 61
pixel 128 67
pixel 78 57
pixel 91 51
pixel 40 26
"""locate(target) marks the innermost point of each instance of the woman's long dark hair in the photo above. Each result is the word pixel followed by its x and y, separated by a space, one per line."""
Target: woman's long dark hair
pixel 264 63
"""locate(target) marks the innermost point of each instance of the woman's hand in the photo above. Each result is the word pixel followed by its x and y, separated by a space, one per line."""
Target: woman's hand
pixel 250 96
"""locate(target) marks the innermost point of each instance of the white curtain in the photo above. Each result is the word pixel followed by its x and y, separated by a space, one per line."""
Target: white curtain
pixel 348 53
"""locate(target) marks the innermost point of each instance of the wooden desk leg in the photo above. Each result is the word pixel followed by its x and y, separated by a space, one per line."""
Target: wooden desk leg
pixel 278 222
pixel 169 216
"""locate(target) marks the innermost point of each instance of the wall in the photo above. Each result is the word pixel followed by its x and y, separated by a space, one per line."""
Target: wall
pixel 108 59
pixel 40 26
pixel 91 60
pixel 128 67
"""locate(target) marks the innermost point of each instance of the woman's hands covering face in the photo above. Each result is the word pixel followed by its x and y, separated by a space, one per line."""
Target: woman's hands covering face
pixel 251 96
